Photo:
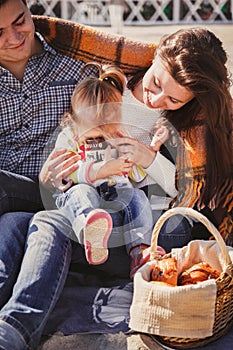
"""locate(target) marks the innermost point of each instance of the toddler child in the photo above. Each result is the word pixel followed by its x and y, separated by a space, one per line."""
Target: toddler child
pixel 101 185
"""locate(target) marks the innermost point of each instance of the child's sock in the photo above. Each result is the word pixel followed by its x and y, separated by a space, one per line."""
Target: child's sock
pixel 139 255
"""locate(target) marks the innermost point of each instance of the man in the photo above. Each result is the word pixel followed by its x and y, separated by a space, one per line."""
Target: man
pixel 32 75
pixel 36 84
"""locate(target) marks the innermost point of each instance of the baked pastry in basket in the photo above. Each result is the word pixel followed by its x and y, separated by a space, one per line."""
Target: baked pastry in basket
pixel 164 271
pixel 197 273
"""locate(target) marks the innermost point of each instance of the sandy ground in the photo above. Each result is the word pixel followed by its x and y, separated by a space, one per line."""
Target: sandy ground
pixel 135 341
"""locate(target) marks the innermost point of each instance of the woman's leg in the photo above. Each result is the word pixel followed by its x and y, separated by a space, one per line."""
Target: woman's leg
pixel 40 280
pixel 19 193
pixel 175 233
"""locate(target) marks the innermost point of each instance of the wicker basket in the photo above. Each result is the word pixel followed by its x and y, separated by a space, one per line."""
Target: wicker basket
pixel 223 298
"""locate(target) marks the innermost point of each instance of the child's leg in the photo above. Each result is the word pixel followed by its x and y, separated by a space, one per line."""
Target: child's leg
pixel 137 224
pixel 137 218
pixel 132 214
pixel 76 203
pixel 91 226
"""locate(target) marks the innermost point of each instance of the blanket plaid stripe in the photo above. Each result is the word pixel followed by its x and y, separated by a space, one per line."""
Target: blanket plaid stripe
pixel 88 44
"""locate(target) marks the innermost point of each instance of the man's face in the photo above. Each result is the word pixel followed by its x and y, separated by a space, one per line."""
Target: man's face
pixel 16 33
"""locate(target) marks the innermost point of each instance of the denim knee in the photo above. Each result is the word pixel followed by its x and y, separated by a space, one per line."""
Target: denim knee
pixel 10 338
pixel 175 233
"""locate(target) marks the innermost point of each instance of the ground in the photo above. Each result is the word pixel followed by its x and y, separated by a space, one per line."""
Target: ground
pixel 100 342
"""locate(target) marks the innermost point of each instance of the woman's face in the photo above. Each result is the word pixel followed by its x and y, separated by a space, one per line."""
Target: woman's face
pixel 161 91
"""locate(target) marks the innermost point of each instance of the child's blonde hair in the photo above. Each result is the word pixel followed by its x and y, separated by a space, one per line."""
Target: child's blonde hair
pixel 97 100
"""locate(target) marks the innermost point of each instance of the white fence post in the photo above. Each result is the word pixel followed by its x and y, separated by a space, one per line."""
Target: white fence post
pixel 176 11
pixel 116 10
pixel 64 9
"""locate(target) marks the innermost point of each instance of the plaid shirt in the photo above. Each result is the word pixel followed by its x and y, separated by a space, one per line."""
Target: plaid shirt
pixel 31 110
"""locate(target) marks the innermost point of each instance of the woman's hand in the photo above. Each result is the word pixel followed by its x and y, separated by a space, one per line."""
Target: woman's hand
pixel 160 136
pixel 134 151
pixel 57 169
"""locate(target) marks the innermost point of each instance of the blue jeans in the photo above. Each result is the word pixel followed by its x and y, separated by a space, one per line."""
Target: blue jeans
pixel 130 211
pixel 19 193
pixel 34 264
pixel 175 232
pixel 33 270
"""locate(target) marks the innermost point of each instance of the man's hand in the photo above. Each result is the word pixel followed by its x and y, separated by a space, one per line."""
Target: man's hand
pixel 57 168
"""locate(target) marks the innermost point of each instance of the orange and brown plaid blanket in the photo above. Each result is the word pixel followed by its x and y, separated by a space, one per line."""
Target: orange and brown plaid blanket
pixel 88 44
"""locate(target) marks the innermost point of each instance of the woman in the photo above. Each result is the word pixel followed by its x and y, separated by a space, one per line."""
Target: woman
pixel 189 83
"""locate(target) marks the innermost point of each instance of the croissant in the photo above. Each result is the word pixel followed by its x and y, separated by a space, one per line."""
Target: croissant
pixel 197 273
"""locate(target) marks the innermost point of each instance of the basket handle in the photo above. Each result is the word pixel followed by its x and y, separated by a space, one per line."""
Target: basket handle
pixel 194 214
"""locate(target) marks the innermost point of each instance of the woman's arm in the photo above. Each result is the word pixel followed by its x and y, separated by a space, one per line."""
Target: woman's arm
pixel 163 172
pixel 154 163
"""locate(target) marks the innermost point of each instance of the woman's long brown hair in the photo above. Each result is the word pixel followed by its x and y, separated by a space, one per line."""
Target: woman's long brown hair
pixel 196 59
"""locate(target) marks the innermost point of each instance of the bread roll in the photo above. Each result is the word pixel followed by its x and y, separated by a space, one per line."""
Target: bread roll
pixel 165 270
pixel 197 273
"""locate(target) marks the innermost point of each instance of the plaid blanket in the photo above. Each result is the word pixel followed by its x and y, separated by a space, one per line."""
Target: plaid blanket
pixel 88 44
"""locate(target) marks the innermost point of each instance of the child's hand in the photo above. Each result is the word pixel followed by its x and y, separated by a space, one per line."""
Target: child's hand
pixel 110 166
pixel 114 166
pixel 119 166
pixel 161 135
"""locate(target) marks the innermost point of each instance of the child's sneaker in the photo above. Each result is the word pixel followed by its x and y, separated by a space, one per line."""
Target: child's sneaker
pixel 140 255
pixel 96 232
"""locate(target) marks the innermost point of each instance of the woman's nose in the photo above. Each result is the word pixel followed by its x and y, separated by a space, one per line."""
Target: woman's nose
pixel 157 100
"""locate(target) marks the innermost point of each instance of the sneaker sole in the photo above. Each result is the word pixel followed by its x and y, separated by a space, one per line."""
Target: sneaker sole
pixel 96 234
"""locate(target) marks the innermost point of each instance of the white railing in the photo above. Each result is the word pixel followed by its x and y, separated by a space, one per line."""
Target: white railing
pixel 138 12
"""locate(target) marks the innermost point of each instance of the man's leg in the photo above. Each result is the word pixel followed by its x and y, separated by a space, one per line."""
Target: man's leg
pixel 13 233
pixel 40 281
pixel 19 193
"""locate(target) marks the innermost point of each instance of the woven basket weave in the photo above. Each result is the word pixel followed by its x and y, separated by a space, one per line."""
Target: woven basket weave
pixel 223 315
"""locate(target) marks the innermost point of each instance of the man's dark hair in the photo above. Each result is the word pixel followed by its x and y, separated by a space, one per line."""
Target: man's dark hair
pixel 3 2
